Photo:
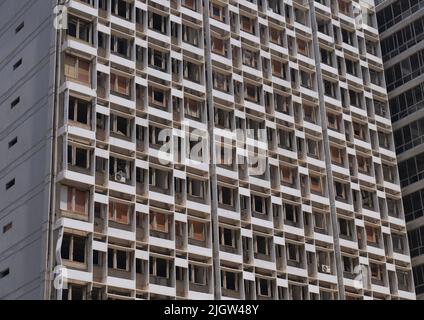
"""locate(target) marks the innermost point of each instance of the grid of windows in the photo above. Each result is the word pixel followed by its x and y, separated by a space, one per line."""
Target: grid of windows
pixel 151 214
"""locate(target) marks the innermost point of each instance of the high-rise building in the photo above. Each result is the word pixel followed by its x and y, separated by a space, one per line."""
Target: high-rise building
pixel 197 150
pixel 401 25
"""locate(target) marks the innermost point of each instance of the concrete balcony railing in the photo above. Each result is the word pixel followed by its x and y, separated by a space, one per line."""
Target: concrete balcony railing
pixel 161 281
pixel 117 273
pixel 203 288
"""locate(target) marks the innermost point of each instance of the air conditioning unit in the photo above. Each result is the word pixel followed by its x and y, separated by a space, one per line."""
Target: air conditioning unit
pixel 325 269
pixel 120 177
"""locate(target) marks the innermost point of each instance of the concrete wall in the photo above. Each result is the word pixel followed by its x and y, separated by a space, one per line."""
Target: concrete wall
pixel 26 204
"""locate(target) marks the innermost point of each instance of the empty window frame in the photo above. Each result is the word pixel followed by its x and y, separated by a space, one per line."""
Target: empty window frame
pixel 229 280
pixel 159 267
pixel 79 29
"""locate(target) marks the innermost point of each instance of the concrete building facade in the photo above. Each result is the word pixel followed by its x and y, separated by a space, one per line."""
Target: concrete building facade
pixel 401 27
pixel 191 149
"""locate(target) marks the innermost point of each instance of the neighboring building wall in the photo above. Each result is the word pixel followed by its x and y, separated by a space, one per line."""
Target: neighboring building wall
pixel 401 24
pixel 26 90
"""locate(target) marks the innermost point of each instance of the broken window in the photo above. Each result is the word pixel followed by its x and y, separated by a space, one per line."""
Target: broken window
pixel 73 248
pixel 262 245
pixel 120 85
